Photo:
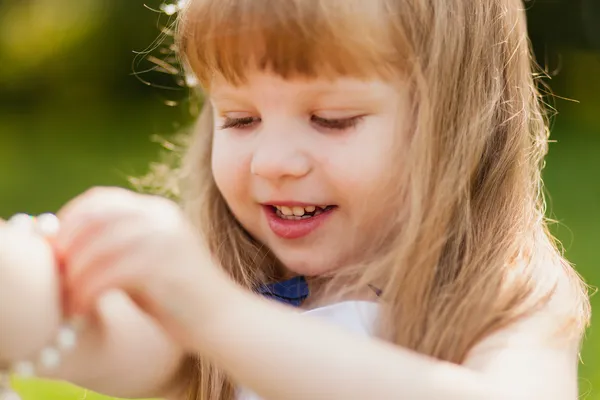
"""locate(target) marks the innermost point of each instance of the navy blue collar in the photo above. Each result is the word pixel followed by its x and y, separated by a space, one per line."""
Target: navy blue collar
pixel 292 291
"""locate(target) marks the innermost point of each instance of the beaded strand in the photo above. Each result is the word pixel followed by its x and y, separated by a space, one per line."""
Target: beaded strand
pixel 50 357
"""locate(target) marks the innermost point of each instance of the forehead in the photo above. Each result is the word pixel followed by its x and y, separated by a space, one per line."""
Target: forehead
pixel 263 86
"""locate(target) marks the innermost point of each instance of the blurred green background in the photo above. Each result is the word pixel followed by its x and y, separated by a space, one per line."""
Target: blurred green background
pixel 74 115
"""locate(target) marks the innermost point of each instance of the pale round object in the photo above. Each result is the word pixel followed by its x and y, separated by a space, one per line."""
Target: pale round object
pixel 50 358
pixel 47 225
pixel 67 338
pixel 30 308
pixel 25 369
pixel 22 222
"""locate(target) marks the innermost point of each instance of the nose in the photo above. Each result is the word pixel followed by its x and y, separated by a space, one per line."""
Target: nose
pixel 279 156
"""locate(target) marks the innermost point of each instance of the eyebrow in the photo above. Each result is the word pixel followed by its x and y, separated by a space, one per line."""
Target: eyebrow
pixel 362 97
pixel 351 96
pixel 230 98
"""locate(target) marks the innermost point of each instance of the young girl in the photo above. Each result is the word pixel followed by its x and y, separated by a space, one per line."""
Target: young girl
pixel 375 166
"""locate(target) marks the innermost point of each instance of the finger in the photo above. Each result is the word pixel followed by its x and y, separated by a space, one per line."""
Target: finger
pixel 122 272
pixel 96 200
pixel 109 243
pixel 74 218
pixel 95 193
pixel 123 240
pixel 75 204
pixel 87 217
pixel 75 235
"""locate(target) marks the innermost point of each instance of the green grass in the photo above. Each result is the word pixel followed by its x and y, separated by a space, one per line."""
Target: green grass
pixel 574 186
pixel 38 390
pixel 48 158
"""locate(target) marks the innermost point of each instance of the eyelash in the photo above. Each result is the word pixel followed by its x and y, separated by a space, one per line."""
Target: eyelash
pixel 338 124
pixel 238 123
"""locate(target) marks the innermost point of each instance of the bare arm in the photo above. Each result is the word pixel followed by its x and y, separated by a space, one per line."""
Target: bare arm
pixel 300 358
pixel 124 354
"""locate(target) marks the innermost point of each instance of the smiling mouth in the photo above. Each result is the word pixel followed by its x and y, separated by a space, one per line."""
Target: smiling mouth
pixel 297 213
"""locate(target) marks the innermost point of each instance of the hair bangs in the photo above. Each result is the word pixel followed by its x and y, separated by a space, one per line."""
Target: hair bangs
pixel 306 38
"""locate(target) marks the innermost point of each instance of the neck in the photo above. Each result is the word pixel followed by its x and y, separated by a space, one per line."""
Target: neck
pixel 323 294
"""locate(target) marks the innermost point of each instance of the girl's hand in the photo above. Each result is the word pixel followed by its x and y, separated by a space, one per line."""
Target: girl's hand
pixel 29 294
pixel 113 238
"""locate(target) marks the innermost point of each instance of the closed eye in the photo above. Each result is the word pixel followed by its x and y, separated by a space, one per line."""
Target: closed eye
pixel 339 124
pixel 239 123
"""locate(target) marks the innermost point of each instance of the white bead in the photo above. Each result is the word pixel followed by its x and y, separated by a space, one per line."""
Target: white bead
pixel 25 369
pixel 47 224
pixel 67 338
pixel 50 358
pixel 22 222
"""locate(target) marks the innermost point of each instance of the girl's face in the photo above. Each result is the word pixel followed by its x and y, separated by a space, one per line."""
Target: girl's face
pixel 305 165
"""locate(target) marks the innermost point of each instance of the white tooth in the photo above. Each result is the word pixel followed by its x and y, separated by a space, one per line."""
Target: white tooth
pixel 323 207
pixel 286 210
pixel 278 207
pixel 298 211
pixel 310 209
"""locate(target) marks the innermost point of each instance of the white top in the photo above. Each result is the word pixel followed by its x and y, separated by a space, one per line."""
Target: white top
pixel 354 316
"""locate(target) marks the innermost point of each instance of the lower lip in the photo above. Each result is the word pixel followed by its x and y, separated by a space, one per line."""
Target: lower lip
pixel 292 228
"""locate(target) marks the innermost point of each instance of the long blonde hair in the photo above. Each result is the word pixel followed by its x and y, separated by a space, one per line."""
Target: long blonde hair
pixel 472 253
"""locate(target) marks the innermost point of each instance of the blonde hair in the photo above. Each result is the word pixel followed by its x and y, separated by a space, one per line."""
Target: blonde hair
pixel 472 253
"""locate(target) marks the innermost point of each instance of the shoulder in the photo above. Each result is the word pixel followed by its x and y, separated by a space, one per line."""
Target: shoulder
pixel 547 341
pixel 557 326
pixel 560 320
pixel 566 314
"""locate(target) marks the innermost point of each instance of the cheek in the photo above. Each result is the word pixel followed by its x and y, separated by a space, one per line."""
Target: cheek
pixel 366 178
pixel 230 167
pixel 362 165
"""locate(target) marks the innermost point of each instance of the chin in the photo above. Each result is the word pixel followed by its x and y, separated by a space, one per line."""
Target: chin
pixel 307 264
